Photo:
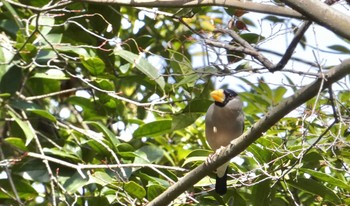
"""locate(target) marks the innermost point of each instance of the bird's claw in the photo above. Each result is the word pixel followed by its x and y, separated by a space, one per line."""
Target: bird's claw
pixel 216 153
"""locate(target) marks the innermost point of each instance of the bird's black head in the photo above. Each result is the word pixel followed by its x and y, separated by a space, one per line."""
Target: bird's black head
pixel 222 97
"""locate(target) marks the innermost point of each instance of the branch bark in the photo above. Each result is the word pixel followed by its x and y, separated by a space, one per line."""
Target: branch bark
pixel 323 14
pixel 246 5
pixel 255 132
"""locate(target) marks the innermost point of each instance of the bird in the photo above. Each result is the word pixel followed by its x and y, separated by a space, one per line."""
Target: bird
pixel 224 122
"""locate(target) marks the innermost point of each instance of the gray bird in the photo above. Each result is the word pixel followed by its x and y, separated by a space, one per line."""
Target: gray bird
pixel 224 122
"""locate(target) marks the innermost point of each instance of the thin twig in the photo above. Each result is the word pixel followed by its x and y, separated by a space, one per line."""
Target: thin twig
pixel 103 166
pixel 253 52
pixel 38 9
pixel 9 176
pixel 116 96
pixel 53 94
pixel 98 138
pixel 293 44
pixel 38 144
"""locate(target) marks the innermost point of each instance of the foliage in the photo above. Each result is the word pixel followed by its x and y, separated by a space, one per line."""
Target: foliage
pixel 104 105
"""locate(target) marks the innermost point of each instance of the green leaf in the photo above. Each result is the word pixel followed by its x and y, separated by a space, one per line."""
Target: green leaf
pixel 126 150
pixel 93 64
pixel 23 105
pixel 261 192
pixel 101 178
pixel 125 68
pixel 143 65
pixel 154 180
pixel 51 74
pixel 183 120
pixel 327 178
pixel 27 52
pixel 260 153
pixel 97 148
pixel 61 153
pixel 189 80
pixel 17 142
pixel 153 128
pixel 24 125
pixel 134 189
pixel 45 23
pixel 278 94
pixel 24 189
pixel 315 188
pixel 252 38
pixel 43 113
pixel 33 170
pixel 148 154
pixel 198 105
pixel 180 63
pixel 340 48
pixel 107 133
pixel 198 155
pixel 154 191
pixel 10 81
pixel 43 86
pixel 75 182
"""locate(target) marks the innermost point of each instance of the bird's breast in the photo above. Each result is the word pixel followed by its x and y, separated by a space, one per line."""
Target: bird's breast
pixel 223 125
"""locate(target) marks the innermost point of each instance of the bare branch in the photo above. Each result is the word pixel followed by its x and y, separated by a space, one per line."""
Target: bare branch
pixel 59 4
pixel 290 50
pixel 52 94
pixel 324 15
pixel 249 48
pixel 245 5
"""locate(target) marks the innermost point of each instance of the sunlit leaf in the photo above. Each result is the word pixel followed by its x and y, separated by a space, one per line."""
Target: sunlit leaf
pixel 43 113
pixel 24 125
pixel 327 178
pixel 153 128
pixel 76 182
pixel 45 23
pixel 101 178
pixel 51 74
pixel 143 65
pixel 314 187
pixel 102 128
pixel 196 156
pixel 60 153
pixel 25 191
pixel 17 142
pixel 154 191
pixel 135 189
pixel 148 154
pixel 93 64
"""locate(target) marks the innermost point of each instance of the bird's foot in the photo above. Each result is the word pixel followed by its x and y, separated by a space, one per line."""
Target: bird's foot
pixel 217 152
pixel 209 159
pixel 220 150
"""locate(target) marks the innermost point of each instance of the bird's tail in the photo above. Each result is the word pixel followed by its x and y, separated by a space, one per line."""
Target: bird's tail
pixel 221 184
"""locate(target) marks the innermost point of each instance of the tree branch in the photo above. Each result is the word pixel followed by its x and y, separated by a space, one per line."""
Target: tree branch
pixel 255 132
pixel 324 15
pixel 245 5
pixel 290 50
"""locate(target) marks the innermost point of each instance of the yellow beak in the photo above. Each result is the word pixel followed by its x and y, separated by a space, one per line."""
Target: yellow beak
pixel 218 95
